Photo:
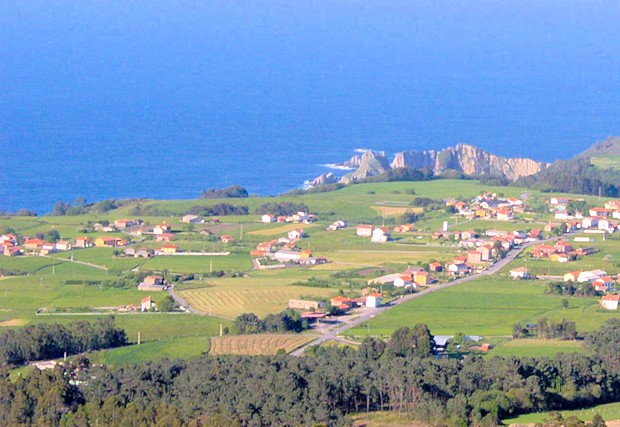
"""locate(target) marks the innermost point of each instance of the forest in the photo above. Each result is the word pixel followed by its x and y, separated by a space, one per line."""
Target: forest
pixel 320 388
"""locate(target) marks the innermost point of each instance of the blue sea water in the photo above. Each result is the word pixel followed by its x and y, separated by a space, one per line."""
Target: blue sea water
pixel 115 99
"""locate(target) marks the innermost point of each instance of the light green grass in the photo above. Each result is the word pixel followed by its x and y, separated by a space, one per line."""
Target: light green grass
pixel 535 348
pixel 609 412
pixel 611 162
pixel 183 348
pixel 488 306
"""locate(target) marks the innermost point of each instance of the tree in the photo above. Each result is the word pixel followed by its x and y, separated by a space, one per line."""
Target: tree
pixel 53 236
pixel 166 305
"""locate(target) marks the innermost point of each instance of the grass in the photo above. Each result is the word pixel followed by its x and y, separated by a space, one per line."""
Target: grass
pixel 488 306
pixel 184 348
pixel 259 344
pixel 609 412
pixel 535 348
pixel 611 162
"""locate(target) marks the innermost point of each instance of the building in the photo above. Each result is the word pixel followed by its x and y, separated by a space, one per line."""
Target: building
pixel 403 281
pixel 284 255
pixel 298 304
pixel 364 230
pixel 169 249
pixel 343 303
pixel 374 300
pixel 474 257
pixel 520 273
pixel 380 235
pixel 147 304
pixel 63 245
pixel 268 218
pixel 192 219
pixel 83 242
pixel 610 302
pixel 227 238
pixel 296 234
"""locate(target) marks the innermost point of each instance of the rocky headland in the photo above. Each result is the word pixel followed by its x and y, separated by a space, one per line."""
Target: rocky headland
pixel 462 158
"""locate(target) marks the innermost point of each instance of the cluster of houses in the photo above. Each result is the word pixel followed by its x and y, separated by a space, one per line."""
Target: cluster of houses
pixel 285 250
pixel 299 217
pixel 376 234
pixel 412 277
pixel 561 251
pixel 488 206
pixel 599 219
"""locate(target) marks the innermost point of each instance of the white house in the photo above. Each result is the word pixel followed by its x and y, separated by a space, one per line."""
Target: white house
pixel 192 219
pixel 610 302
pixel 520 273
pixel 589 222
pixel 147 304
pixel 373 300
pixel 287 256
pixel 403 281
pixel 296 234
pixel 63 245
pixel 268 218
pixel 380 235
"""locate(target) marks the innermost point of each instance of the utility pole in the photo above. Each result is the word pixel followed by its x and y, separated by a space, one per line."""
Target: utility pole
pixel 221 330
pixel 138 337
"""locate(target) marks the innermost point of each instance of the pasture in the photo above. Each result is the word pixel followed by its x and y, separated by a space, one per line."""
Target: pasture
pixel 489 306
pixel 257 344
pixel 535 348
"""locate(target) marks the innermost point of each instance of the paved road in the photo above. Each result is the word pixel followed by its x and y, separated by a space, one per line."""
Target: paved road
pixel 333 332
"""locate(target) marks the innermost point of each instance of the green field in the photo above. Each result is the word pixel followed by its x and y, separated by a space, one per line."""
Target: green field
pixel 609 412
pixel 611 162
pixel 258 344
pixel 183 348
pixel 488 306
pixel 535 348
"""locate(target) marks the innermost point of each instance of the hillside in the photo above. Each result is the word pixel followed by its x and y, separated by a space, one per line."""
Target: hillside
pixel 606 148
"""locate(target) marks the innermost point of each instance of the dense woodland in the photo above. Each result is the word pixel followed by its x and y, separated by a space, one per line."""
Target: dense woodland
pixel 322 387
pixel 49 341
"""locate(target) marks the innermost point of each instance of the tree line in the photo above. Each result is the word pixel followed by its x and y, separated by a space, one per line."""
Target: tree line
pixel 321 388
pixel 50 341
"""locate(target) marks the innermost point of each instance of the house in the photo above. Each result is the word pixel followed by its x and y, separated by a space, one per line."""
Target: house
pixel 154 280
pixel 404 228
pixel 563 247
pixel 343 303
pixel 284 255
pixel 169 249
pixel 504 214
pixel 123 224
pixel 589 222
pixel 610 302
pixel 109 242
pixel 485 252
pixel 83 242
pixel 268 218
pixel 520 273
pixel 164 237
pixel 543 251
pixel 338 225
pixel 162 228
pixel 227 238
pixel 559 258
pixel 457 268
pixel 603 284
pixel 152 283
pixel 572 276
pixel 474 257
pixel 296 234
pixel 435 267
pixel 33 244
pixel 12 251
pixel 404 280
pixel 192 219
pixel 421 278
pixel 612 205
pixel 374 300
pixel 599 212
pixel 364 230
pixel 380 235
pixel 48 248
pixel 147 304
pixel 63 245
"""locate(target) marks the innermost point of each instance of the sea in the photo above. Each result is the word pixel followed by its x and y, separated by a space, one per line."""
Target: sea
pixel 162 99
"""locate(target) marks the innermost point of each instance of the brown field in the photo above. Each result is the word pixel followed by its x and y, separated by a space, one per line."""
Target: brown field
pixel 394 210
pixel 259 344
pixel 13 322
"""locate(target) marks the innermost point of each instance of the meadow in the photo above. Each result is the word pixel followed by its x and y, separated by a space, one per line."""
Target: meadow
pixel 489 306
